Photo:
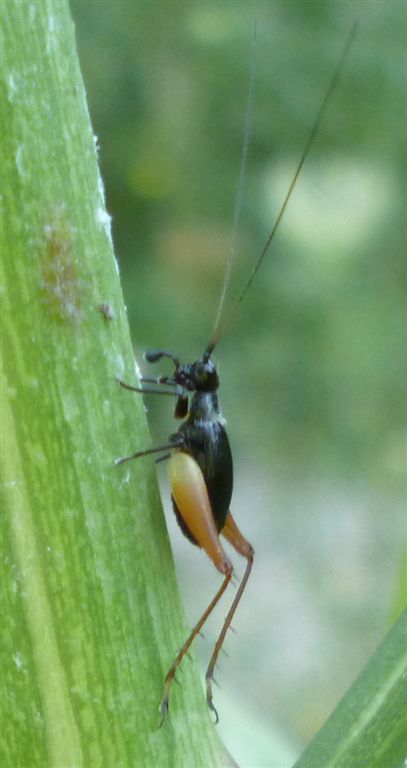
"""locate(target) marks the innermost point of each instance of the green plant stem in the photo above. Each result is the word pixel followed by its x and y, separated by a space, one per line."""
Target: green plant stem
pixel 91 615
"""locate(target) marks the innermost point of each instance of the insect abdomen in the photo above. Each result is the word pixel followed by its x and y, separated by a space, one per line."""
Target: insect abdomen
pixel 207 442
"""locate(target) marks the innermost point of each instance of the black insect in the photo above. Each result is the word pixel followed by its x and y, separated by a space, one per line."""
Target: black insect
pixel 199 456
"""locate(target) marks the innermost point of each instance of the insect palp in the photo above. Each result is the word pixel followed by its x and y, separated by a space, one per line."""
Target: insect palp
pixel 153 355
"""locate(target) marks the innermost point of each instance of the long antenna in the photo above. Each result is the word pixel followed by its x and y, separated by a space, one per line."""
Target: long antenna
pixel 240 185
pixel 220 326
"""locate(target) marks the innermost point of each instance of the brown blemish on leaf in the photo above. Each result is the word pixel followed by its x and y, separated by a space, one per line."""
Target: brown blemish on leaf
pixel 106 310
pixel 61 284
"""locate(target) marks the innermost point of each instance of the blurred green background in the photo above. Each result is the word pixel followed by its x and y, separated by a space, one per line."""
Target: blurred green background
pixel 313 384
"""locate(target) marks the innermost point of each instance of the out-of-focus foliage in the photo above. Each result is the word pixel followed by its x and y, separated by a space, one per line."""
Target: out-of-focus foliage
pixel 312 371
pixel 320 336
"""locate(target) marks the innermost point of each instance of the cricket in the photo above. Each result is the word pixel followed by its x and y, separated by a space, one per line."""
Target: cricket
pixel 198 454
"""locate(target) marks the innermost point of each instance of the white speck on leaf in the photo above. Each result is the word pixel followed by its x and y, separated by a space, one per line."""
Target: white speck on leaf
pixel 20 161
pixel 70 407
pixel 11 484
pixel 104 220
pixel 119 367
pixel 101 190
pixel 124 480
pixel 39 458
pixel 18 660
pixel 12 87
pixel 51 36
pixel 137 370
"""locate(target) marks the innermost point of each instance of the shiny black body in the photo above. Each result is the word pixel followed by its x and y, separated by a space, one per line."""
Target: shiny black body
pixel 205 439
pixel 202 434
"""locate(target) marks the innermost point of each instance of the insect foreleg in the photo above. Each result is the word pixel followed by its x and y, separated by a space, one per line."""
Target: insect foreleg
pixel 157 449
pixel 167 380
pixel 146 390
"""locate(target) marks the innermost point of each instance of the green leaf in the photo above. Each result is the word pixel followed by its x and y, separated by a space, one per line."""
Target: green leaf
pixel 91 614
pixel 369 726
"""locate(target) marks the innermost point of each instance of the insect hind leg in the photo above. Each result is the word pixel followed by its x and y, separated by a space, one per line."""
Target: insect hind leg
pixel 170 676
pixel 232 534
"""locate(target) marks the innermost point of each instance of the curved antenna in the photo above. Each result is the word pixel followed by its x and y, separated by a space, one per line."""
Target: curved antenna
pixel 239 189
pixel 220 327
